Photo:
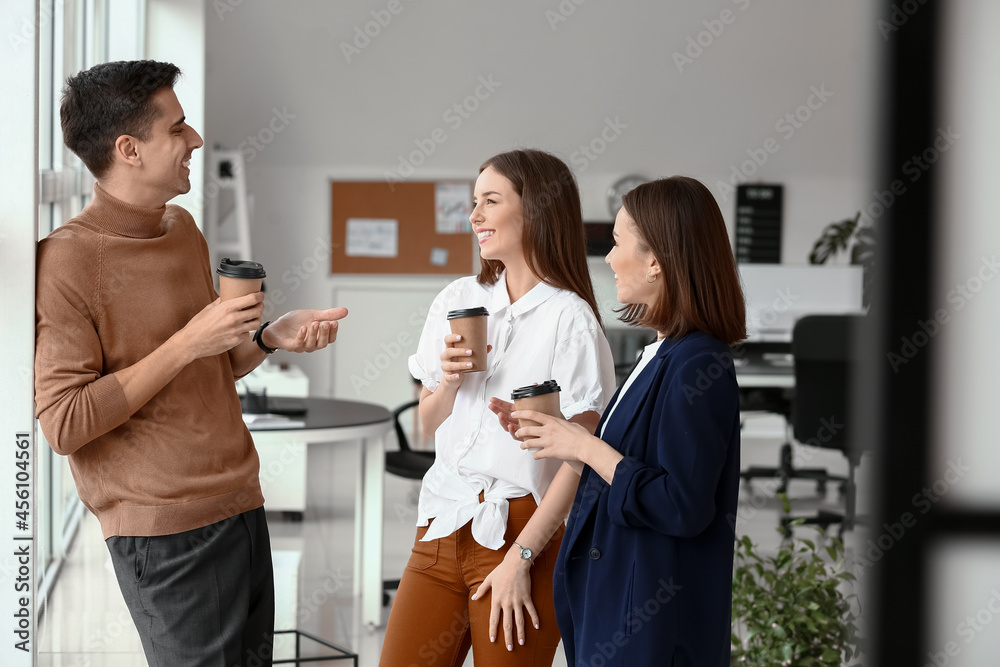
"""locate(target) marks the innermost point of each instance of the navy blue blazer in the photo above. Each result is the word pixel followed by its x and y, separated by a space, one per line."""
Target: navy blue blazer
pixel 644 574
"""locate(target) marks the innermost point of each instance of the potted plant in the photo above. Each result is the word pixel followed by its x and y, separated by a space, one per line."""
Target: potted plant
pixel 791 608
pixel 836 238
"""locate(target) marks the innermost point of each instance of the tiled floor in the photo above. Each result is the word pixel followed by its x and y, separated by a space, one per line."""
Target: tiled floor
pixel 85 623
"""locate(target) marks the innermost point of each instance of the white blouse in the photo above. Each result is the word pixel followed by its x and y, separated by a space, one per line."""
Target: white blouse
pixel 648 353
pixel 548 334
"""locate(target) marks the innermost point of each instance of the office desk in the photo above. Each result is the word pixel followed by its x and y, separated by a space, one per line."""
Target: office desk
pixel 755 374
pixel 764 365
pixel 335 421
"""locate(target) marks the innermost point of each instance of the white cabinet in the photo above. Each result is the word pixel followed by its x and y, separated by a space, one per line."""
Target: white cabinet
pixel 282 464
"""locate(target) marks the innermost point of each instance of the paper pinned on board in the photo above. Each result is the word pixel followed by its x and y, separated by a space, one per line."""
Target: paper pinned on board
pixel 372 237
pixel 452 207
pixel 439 257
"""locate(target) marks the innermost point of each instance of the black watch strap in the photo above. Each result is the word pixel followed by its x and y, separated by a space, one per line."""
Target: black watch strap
pixel 258 337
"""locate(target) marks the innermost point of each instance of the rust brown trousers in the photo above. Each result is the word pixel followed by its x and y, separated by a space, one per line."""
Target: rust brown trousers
pixel 434 621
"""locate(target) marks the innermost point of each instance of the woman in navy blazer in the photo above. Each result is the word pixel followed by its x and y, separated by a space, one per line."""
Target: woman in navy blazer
pixel 644 574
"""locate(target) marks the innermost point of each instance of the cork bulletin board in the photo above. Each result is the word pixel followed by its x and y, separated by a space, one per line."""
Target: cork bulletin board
pixel 412 227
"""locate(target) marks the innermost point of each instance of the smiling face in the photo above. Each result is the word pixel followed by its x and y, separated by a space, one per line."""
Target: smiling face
pixel 497 218
pixel 634 264
pixel 165 156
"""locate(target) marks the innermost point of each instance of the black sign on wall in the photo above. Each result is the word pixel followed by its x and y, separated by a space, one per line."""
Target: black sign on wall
pixel 758 224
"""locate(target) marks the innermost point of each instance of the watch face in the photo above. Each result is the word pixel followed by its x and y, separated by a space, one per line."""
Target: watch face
pixel 619 189
pixel 526 553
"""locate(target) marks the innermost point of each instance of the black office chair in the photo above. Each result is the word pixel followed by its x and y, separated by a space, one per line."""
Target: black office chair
pixel 779 401
pixel 407 463
pixel 821 345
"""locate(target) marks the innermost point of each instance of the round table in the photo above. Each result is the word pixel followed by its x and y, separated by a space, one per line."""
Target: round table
pixel 332 420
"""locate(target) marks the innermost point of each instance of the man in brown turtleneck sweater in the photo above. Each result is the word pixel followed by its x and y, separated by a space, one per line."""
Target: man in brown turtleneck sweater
pixel 136 361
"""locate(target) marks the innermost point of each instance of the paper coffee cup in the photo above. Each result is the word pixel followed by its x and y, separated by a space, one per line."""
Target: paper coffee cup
pixel 542 397
pixel 470 323
pixel 239 277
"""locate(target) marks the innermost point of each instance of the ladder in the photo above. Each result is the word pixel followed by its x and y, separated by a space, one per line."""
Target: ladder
pixel 227 172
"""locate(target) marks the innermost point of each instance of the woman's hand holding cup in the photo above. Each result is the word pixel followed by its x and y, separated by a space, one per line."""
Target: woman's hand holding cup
pixel 455 360
pixel 553 437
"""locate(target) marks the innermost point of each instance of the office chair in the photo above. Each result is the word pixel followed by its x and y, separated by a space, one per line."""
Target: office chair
pixel 779 401
pixel 821 345
pixel 407 463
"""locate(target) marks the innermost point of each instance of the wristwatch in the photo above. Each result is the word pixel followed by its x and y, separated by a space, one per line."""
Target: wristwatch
pixel 258 338
pixel 526 553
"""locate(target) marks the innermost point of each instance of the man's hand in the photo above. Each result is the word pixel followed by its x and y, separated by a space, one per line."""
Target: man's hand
pixel 304 330
pixel 219 327
pixel 222 325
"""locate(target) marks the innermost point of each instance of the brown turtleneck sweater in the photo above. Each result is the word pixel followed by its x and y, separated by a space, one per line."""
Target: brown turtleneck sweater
pixel 114 283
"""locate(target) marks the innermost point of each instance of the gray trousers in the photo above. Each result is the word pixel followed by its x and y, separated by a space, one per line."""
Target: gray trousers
pixel 202 598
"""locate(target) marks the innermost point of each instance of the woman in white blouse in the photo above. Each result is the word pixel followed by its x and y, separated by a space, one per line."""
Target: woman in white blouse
pixel 490 517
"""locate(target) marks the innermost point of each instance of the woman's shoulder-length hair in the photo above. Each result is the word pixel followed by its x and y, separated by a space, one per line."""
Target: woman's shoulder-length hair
pixel 679 220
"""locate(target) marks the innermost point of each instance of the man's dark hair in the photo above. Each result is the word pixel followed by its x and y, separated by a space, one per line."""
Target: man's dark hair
pixel 108 100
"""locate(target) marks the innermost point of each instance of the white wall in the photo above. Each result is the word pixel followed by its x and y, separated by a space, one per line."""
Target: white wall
pixel 175 32
pixel 557 88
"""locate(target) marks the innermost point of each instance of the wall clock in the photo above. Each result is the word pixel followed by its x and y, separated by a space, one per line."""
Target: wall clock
pixel 619 189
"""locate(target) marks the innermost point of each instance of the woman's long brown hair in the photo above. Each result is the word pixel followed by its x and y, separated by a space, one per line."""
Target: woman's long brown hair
pixel 554 242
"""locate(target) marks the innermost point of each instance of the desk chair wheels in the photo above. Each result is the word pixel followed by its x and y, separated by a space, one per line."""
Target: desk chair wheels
pixel 846 520
pixel 821 518
pixel 786 471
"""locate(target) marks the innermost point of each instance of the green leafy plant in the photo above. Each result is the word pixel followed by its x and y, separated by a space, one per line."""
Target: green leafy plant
pixel 861 238
pixel 790 608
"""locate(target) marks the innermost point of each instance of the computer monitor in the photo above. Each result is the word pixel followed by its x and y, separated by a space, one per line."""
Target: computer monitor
pixel 779 294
